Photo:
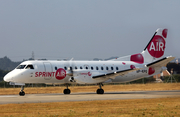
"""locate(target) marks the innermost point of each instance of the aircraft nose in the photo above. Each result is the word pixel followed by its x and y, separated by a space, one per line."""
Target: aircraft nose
pixel 8 77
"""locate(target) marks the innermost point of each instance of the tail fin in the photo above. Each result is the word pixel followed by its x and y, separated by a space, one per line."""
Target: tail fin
pixel 152 52
pixel 156 47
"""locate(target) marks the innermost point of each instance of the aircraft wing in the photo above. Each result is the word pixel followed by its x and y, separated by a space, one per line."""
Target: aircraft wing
pixel 161 62
pixel 112 75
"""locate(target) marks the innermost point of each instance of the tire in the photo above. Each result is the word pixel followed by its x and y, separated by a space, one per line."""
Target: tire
pixel 98 91
pixel 101 91
pixel 22 93
pixel 67 91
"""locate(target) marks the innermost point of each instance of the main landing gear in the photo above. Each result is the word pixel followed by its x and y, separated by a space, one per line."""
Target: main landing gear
pixel 22 93
pixel 67 91
pixel 100 90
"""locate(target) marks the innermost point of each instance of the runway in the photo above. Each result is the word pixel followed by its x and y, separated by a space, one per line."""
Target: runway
pixel 86 96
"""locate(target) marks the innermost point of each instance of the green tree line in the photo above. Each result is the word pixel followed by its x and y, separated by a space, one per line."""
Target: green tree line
pixel 6 64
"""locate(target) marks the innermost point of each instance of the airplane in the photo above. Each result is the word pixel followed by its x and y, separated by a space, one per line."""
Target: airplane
pixel 120 70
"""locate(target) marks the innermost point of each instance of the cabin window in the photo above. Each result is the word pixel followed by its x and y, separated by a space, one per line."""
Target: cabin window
pixel 86 67
pixel 101 68
pixel 111 68
pixel 65 68
pixel 81 67
pixel 29 67
pixel 91 68
pixel 117 68
pixel 55 68
pixel 75 67
pixel 97 68
pixel 106 68
pixel 20 67
pixel 70 68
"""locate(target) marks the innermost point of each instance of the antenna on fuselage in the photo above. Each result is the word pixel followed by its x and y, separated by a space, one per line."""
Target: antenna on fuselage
pixel 32 55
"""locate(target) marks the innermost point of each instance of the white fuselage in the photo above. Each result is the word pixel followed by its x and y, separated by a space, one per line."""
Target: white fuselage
pixel 80 72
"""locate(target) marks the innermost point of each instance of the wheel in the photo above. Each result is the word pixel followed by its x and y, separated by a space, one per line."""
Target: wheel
pixel 100 91
pixel 67 91
pixel 97 91
pixel 22 93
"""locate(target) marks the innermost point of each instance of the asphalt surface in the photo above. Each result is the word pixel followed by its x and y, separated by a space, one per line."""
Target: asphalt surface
pixel 86 96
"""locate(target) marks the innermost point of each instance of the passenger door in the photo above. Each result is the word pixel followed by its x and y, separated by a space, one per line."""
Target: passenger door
pixel 47 70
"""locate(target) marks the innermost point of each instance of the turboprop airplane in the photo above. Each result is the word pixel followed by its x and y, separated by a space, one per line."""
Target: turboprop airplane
pixel 120 70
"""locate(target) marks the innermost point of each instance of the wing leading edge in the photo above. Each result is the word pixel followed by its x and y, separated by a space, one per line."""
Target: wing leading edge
pixel 161 62
pixel 112 75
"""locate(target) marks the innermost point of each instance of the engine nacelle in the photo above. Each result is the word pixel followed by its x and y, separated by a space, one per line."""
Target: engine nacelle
pixel 79 80
pixel 71 79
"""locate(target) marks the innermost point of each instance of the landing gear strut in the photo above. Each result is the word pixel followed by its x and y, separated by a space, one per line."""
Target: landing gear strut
pixel 67 91
pixel 100 90
pixel 22 93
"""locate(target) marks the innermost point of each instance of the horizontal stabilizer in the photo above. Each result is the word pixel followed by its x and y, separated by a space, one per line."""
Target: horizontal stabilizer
pixel 112 75
pixel 161 62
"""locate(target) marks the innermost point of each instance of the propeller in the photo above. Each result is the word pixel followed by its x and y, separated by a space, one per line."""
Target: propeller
pixel 70 67
pixel 70 70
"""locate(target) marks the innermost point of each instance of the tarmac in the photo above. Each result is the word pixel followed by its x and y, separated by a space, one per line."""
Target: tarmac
pixel 86 96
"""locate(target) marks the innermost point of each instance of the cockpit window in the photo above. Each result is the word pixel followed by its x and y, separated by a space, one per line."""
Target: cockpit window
pixel 29 67
pixel 20 67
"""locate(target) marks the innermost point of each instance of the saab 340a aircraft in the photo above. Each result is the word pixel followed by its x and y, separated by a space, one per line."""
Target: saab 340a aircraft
pixel 123 69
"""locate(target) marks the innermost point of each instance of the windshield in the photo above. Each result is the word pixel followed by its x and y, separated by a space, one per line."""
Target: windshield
pixel 29 67
pixel 20 67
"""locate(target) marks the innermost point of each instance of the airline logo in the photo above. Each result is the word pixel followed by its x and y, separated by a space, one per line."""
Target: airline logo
pixel 157 46
pixel 164 33
pixel 44 74
pixel 138 58
pixel 60 74
pixel 123 63
pixel 132 67
pixel 151 71
pixel 89 73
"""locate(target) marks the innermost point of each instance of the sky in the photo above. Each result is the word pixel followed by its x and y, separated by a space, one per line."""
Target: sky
pixel 85 29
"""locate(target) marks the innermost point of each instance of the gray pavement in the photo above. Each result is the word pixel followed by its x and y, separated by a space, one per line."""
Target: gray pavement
pixel 86 96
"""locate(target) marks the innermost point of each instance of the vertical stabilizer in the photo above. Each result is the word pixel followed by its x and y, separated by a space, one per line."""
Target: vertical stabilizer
pixel 152 52
pixel 156 47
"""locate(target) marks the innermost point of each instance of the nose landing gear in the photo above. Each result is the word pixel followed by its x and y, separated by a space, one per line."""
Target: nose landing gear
pixel 100 90
pixel 22 93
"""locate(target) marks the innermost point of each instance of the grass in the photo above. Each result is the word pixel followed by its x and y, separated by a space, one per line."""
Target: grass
pixel 128 87
pixel 163 107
